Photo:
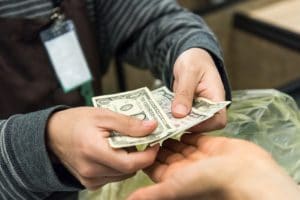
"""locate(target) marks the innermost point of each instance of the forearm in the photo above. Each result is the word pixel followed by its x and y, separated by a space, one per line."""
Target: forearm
pixel 153 33
pixel 26 170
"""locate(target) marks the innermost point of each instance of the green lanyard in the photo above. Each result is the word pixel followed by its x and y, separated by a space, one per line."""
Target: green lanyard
pixel 87 92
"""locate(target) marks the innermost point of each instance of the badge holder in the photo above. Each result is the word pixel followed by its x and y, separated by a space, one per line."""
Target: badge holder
pixel 66 56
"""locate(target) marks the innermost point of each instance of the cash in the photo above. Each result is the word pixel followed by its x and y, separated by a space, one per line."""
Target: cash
pixel 140 104
pixel 155 105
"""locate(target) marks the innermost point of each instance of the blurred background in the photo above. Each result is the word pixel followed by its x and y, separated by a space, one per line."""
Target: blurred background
pixel 260 41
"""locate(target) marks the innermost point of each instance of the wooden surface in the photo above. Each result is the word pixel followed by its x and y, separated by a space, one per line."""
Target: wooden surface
pixel 254 62
pixel 258 63
pixel 285 14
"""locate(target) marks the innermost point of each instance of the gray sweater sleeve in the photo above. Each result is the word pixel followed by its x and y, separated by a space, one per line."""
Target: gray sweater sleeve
pixel 153 33
pixel 26 171
pixel 148 33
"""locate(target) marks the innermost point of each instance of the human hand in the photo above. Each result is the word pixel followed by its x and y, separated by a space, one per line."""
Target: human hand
pixel 78 138
pixel 195 74
pixel 202 167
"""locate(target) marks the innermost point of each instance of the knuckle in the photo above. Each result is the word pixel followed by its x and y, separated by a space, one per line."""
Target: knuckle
pixel 150 159
pixel 103 110
pixel 131 123
pixel 221 123
pixel 84 150
pixel 86 171
pixel 106 115
pixel 182 93
pixel 86 183
pixel 128 167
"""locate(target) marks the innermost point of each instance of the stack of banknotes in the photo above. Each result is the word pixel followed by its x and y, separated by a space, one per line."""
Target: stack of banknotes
pixel 155 105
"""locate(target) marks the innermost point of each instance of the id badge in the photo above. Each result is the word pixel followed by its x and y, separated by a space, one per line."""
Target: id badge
pixel 66 55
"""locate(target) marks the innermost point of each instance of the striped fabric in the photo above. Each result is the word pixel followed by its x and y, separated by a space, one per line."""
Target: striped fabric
pixel 31 8
pixel 146 33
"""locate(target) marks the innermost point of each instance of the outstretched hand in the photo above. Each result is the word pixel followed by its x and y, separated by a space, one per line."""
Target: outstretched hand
pixel 78 138
pixel 195 75
pixel 202 167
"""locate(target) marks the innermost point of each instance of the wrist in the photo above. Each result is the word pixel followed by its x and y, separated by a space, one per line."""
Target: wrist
pixel 51 131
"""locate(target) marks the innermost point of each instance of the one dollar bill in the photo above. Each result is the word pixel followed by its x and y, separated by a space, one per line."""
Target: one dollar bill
pixel 202 110
pixel 140 104
pixel 155 105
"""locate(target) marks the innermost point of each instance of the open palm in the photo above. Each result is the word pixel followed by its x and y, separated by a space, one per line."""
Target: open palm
pixel 203 167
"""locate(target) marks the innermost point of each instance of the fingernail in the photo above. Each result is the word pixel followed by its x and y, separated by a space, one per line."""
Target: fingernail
pixel 148 122
pixel 181 109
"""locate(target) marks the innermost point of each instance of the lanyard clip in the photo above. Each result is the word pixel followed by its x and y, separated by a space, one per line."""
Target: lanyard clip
pixel 57 16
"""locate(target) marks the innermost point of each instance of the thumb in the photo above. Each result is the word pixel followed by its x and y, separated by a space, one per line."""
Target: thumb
pixel 126 125
pixel 185 88
pixel 155 192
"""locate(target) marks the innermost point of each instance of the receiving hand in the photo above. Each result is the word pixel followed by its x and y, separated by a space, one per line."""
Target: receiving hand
pixel 195 75
pixel 202 167
pixel 78 138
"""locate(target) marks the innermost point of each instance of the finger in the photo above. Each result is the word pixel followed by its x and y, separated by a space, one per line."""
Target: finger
pixel 211 86
pixel 186 85
pixel 218 121
pixel 126 125
pixel 204 89
pixel 96 183
pixel 166 156
pixel 208 145
pixel 179 147
pixel 98 180
pixel 129 162
pixel 119 159
pixel 194 139
pixel 188 152
pixel 174 145
pixel 154 192
pixel 92 169
pixel 156 171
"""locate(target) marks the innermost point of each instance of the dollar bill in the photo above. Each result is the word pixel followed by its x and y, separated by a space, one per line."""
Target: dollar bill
pixel 164 98
pixel 140 104
pixel 207 106
pixel 202 110
pixel 146 105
